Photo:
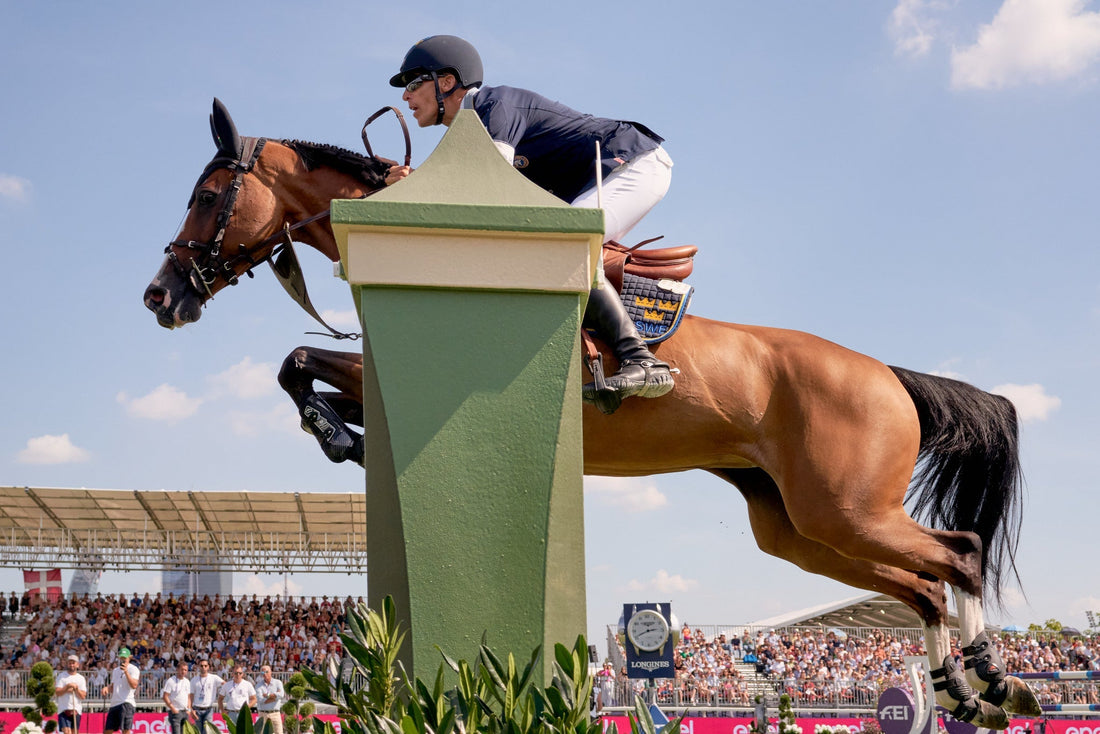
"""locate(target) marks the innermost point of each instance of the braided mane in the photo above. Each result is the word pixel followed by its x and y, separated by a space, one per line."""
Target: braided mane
pixel 371 171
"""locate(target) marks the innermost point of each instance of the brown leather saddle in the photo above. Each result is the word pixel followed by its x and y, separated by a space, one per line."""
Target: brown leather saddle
pixel 673 263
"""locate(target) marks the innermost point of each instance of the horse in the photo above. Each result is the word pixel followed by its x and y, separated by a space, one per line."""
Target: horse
pixel 826 445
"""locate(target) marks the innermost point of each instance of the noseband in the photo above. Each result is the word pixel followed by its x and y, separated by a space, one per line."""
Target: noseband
pixel 209 264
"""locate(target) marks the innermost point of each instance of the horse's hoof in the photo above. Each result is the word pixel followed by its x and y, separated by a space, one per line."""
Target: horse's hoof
pixel 1021 699
pixel 990 716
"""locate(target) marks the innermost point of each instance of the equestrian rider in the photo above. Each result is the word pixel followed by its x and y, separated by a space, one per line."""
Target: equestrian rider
pixel 555 147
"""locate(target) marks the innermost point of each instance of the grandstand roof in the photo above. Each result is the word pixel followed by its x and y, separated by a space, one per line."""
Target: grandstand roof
pixel 868 610
pixel 141 530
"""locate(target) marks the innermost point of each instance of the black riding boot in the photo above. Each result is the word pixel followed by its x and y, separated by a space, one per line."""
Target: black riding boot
pixel 640 373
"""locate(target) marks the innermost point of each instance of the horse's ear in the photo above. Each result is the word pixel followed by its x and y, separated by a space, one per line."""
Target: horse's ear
pixel 224 131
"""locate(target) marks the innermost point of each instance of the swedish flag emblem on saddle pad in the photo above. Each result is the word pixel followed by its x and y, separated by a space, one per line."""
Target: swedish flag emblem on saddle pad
pixel 655 306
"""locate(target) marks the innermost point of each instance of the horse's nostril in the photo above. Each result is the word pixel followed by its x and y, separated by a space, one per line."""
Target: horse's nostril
pixel 154 295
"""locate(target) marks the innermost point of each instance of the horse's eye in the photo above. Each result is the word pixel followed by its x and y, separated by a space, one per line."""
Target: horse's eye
pixel 206 198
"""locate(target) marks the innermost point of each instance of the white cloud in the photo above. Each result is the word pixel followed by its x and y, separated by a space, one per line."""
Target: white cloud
pixel 14 188
pixel 1031 401
pixel 283 418
pixel 663 583
pixel 912 26
pixel 52 450
pixel 253 584
pixel 164 403
pixel 1029 41
pixel 341 319
pixel 630 494
pixel 245 380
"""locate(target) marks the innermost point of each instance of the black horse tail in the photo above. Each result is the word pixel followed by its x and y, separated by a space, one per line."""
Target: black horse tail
pixel 968 471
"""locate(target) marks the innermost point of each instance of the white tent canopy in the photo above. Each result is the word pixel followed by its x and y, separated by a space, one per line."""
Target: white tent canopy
pixel 272 532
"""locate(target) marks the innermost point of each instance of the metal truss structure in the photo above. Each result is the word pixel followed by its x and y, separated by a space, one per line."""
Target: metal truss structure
pixel 122 530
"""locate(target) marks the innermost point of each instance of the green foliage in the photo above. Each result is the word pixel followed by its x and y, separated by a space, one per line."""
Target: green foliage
pixel 297 716
pixel 491 695
pixel 787 724
pixel 243 724
pixel 50 726
pixel 41 684
pixel 642 723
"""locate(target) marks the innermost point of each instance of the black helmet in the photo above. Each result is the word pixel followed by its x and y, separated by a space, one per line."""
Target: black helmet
pixel 436 53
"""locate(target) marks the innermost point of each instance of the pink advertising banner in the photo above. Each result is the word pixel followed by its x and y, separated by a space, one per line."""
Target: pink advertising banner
pixel 144 723
pixel 736 725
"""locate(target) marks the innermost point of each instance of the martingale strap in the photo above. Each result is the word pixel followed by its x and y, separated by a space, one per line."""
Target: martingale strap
pixel 288 271
pixel 655 306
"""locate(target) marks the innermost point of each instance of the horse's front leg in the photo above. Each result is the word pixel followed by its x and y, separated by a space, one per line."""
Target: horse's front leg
pixel 985 671
pixel 326 415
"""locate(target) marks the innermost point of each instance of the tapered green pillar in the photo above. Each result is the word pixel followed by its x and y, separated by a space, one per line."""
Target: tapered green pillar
pixel 471 284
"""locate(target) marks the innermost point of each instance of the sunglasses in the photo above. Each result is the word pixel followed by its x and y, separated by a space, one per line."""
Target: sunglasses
pixel 415 83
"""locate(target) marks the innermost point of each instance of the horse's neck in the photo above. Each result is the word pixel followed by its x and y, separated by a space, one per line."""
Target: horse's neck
pixel 306 195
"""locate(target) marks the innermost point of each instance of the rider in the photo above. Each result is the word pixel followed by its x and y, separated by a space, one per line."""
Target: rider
pixel 555 147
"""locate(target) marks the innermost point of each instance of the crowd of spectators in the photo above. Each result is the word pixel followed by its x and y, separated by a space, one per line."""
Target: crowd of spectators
pixel 818 667
pixel 286 634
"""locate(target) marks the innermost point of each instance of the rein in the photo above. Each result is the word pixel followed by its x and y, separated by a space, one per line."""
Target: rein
pixel 209 264
pixel 404 129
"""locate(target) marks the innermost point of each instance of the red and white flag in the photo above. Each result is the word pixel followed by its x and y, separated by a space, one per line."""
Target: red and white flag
pixel 43 582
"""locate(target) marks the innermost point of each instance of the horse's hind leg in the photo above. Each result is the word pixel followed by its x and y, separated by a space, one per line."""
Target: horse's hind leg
pixel 860 472
pixel 985 671
pixel 326 415
pixel 777 535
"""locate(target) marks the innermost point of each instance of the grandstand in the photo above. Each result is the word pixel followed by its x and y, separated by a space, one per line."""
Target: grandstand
pixel 832 659
pixel 92 530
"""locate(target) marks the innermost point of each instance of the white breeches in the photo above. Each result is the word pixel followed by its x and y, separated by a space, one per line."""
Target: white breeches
pixel 629 192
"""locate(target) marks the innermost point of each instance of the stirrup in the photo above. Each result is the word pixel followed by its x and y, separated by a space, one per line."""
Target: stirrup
pixel 598 393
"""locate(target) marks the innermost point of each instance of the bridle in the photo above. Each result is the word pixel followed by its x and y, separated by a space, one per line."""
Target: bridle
pixel 209 264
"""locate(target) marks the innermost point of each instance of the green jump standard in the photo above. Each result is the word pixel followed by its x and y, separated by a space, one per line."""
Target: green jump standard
pixel 471 283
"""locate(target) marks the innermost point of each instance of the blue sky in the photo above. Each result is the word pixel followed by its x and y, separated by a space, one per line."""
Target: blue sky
pixel 914 180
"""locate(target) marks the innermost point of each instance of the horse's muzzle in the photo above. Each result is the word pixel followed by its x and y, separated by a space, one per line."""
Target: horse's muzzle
pixel 159 300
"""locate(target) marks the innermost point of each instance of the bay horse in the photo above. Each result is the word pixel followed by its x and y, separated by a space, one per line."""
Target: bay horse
pixel 825 444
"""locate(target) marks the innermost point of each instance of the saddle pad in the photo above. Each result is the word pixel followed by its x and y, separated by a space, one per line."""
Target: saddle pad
pixel 655 306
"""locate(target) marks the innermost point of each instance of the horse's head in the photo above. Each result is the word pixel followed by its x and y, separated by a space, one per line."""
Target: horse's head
pixel 231 217
pixel 248 200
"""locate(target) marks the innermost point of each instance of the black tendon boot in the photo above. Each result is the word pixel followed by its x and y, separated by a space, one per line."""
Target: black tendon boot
pixel 337 441
pixel 640 373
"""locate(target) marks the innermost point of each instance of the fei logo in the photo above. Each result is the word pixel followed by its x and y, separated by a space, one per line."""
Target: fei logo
pixel 895 711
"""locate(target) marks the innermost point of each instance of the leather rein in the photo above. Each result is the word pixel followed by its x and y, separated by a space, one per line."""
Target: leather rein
pixel 209 264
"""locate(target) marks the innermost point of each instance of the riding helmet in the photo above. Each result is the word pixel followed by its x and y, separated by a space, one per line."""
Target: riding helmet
pixel 437 53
